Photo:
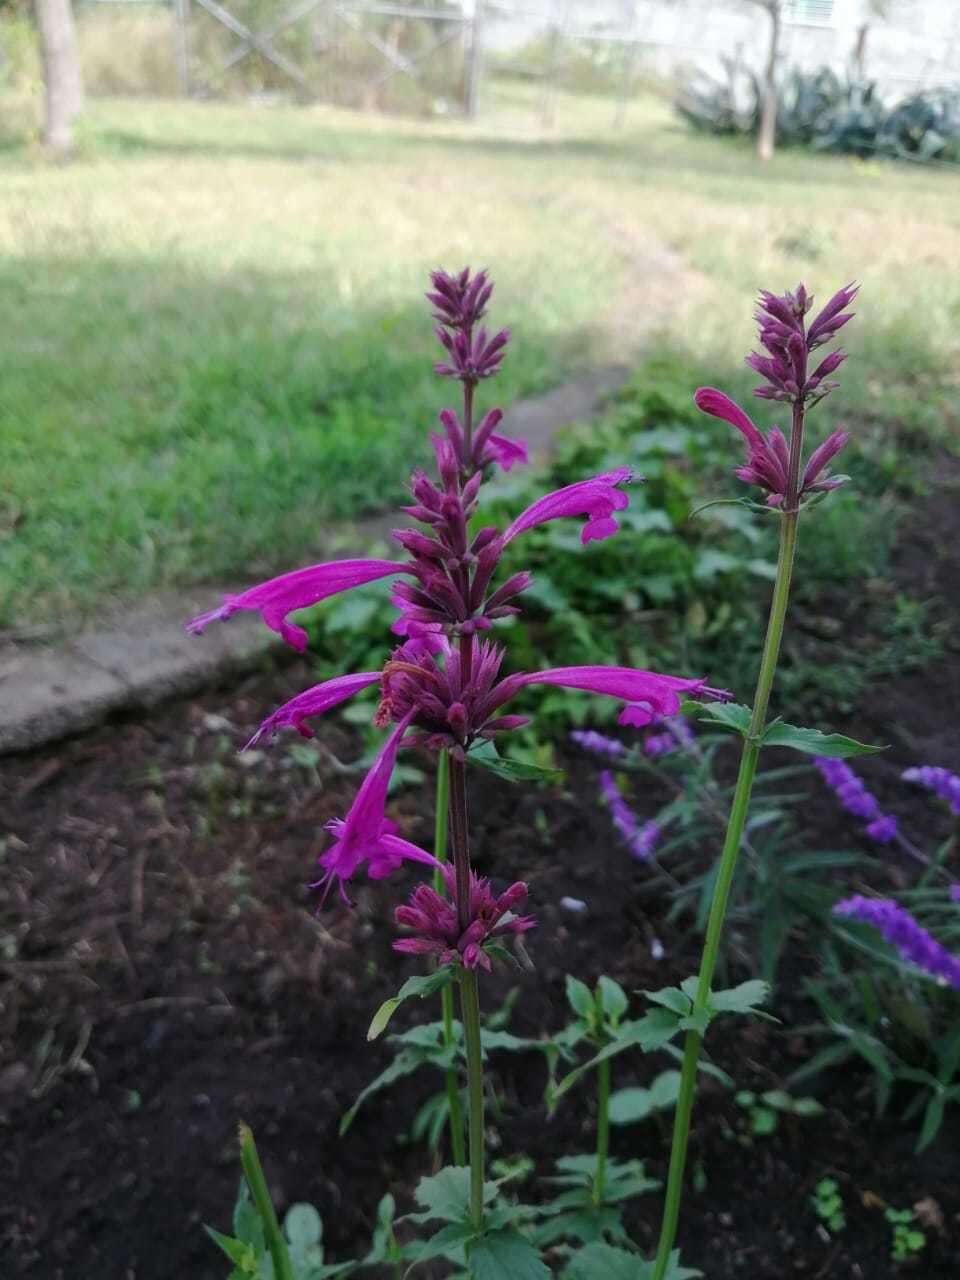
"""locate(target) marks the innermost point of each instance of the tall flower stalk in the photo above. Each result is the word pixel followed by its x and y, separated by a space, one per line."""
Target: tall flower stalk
pixel 774 465
pixel 441 688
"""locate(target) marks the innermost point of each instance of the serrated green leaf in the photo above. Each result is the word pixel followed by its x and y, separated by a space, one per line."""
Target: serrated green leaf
pixel 448 1242
pixel 239 1252
pixel 487 756
pixel 671 998
pixel 447 1195
pixel 652 1031
pixel 596 1261
pixel 421 986
pixel 730 715
pixel 615 1001
pixel 506 1255
pixel 583 1225
pixel 507 1040
pixel 741 999
pixel 814 743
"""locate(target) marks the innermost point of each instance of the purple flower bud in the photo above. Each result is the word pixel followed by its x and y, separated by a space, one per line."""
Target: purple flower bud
pixel 436 921
pixel 940 781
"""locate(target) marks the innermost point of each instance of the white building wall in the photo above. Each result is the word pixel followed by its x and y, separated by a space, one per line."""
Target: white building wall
pixel 918 46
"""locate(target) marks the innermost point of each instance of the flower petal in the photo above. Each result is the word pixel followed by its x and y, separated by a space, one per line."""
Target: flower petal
pixel 714 402
pixel 314 702
pixel 298 590
pixel 596 498
pixel 649 694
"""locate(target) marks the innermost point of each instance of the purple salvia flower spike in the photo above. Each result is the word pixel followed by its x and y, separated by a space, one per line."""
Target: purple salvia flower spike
pixel 641 840
pixel 910 939
pixel 856 799
pixel 940 781
pixel 599 744
pixel 298 590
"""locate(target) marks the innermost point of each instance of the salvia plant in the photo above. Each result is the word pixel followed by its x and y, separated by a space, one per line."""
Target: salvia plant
pixel 446 689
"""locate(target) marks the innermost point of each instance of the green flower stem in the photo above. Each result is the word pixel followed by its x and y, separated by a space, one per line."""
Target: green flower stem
pixel 441 824
pixel 469 988
pixel 470 1005
pixel 721 893
pixel 603 1131
pixel 253 1172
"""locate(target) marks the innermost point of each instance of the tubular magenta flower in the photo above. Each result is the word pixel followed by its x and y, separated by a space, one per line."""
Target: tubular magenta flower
pixel 640 840
pixel 856 799
pixel 940 781
pixel 314 702
pixel 910 939
pixel 649 695
pixel 435 921
pixel 298 590
pixel 768 457
pixel 452 705
pixel 366 834
pixel 597 499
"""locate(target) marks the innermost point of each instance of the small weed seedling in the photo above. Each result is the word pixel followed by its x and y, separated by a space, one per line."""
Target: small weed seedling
pixel 764 1110
pixel 828 1205
pixel 907 1240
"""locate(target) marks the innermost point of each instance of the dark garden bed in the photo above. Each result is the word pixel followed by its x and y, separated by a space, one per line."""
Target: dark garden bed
pixel 170 978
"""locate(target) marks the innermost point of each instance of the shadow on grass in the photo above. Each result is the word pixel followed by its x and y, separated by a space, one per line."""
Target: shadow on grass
pixel 679 152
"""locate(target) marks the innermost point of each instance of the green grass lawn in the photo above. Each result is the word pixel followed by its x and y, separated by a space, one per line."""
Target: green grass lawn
pixel 218 345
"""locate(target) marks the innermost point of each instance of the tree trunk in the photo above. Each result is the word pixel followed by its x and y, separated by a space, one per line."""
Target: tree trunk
pixel 859 60
pixel 61 72
pixel 768 111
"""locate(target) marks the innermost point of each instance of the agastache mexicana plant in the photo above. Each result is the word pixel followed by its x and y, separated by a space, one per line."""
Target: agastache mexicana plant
pixel 775 464
pixel 442 688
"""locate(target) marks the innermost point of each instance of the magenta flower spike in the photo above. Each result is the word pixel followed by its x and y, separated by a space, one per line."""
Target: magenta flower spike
pixel 366 834
pixel 597 499
pixel 435 921
pixel 298 590
pixel 649 695
pixel 788 344
pixel 768 457
pixel 313 702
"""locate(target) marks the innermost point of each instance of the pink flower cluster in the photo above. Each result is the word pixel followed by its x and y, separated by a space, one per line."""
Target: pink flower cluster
pixel 441 688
